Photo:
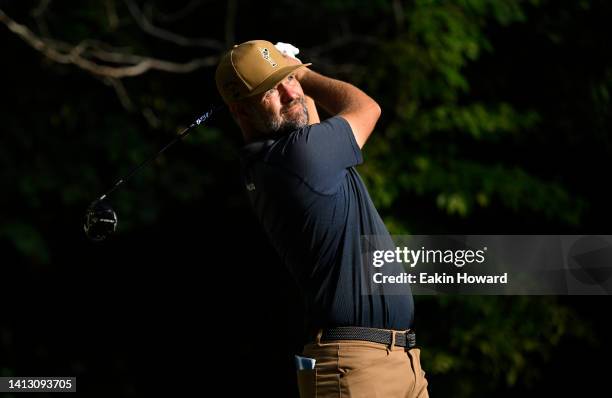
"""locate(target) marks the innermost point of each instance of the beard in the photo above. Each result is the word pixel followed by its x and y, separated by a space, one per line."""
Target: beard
pixel 292 116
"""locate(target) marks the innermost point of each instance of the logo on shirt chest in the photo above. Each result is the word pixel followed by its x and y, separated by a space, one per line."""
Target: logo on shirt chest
pixel 250 187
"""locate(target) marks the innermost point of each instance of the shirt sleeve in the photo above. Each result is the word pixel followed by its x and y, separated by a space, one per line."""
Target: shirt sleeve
pixel 320 154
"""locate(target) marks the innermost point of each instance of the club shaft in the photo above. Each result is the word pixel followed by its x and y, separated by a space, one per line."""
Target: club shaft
pixel 182 134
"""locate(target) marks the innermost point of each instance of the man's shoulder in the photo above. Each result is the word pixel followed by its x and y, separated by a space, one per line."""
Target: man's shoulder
pixel 332 123
pixel 318 154
pixel 262 147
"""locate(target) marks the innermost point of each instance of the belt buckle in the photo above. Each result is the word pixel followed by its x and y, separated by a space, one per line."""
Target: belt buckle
pixel 410 339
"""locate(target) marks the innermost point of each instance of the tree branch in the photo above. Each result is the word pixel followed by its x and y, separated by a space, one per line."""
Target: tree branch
pixel 121 92
pixel 111 14
pixel 38 14
pixel 64 53
pixel 149 28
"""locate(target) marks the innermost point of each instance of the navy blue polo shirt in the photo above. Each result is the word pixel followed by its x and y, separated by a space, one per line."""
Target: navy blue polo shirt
pixel 314 207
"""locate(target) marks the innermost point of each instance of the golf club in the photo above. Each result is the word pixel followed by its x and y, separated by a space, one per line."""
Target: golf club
pixel 100 218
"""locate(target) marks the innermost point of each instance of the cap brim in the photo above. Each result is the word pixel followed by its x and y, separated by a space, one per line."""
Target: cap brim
pixel 275 78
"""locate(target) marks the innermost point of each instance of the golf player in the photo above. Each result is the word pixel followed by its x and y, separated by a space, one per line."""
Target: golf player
pixel 299 174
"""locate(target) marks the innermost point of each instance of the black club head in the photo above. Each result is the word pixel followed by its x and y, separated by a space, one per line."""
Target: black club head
pixel 100 221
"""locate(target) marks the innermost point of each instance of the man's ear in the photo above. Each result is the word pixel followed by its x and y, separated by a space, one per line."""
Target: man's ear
pixel 240 115
pixel 238 109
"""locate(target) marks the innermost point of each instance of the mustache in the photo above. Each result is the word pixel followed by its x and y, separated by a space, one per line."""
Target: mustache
pixel 298 101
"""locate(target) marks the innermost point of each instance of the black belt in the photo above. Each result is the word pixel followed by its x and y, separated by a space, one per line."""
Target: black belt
pixel 402 338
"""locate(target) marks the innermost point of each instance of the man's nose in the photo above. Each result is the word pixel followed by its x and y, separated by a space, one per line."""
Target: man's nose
pixel 287 93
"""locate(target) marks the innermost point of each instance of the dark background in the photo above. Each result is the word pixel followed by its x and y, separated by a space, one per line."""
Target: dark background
pixel 496 119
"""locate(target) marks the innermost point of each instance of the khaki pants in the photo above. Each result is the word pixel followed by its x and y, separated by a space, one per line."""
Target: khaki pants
pixel 362 369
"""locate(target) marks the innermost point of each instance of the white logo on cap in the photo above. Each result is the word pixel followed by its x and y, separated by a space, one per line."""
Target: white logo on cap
pixel 265 53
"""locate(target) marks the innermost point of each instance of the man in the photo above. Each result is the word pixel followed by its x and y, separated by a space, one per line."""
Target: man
pixel 300 177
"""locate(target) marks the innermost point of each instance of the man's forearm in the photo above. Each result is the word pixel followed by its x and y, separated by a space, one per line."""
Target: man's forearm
pixel 341 98
pixel 313 114
pixel 332 95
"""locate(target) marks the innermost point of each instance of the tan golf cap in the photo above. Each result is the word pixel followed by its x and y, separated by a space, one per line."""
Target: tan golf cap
pixel 251 68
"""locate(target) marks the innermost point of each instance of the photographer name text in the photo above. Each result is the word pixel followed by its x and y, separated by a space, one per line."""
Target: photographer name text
pixel 441 278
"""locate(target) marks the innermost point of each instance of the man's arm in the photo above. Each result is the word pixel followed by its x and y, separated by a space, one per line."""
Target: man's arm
pixel 313 115
pixel 342 99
